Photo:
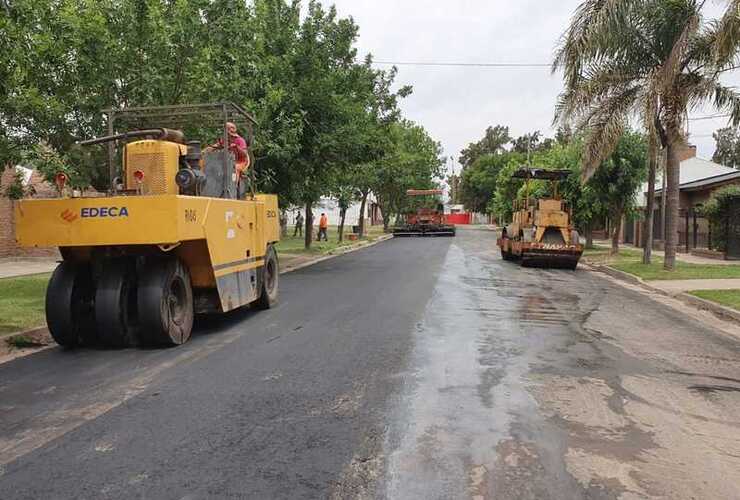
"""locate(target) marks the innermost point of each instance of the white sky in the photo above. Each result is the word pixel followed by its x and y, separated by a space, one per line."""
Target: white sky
pixel 456 104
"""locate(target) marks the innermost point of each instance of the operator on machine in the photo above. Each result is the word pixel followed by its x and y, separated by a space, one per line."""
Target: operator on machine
pixel 238 146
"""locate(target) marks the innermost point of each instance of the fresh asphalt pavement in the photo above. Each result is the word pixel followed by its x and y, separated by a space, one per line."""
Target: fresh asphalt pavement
pixel 417 368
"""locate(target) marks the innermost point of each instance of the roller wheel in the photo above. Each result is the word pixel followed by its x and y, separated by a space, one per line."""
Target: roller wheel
pixel 268 280
pixel 115 304
pixel 165 302
pixel 506 255
pixel 69 314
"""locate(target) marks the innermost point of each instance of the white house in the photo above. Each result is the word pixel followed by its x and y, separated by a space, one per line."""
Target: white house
pixel 330 207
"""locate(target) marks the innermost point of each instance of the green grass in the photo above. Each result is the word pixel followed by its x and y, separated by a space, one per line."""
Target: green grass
pixel 22 302
pixel 295 245
pixel 630 261
pixel 729 298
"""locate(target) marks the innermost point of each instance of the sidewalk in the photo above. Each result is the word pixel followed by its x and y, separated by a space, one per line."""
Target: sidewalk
pixel 11 268
pixel 683 257
pixel 674 287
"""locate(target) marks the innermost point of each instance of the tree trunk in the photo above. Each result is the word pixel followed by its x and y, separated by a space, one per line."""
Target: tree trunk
pixel 663 197
pixel 616 229
pixel 283 223
pixel 590 235
pixel 361 222
pixel 673 171
pixel 342 215
pixel 647 250
pixel 386 219
pixel 308 237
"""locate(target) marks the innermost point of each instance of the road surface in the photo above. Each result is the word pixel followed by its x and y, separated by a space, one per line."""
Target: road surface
pixel 418 368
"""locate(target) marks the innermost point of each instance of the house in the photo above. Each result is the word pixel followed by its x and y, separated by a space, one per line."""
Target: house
pixel 698 179
pixel 330 207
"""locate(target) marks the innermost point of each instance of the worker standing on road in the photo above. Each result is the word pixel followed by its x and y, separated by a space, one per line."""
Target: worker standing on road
pixel 323 225
pixel 298 224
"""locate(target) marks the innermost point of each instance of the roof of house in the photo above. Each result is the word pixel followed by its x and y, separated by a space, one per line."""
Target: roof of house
pixel 695 169
pixel 695 173
pixel 708 181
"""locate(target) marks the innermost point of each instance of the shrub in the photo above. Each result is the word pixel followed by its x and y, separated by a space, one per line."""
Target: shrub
pixel 15 190
pixel 717 211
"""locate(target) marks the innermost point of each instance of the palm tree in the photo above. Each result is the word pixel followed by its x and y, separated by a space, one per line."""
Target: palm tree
pixel 653 60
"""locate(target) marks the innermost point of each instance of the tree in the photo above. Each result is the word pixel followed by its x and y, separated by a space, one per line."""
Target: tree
pixel 648 58
pixel 322 114
pixel 587 203
pixel 372 136
pixel 492 142
pixel 616 180
pixel 105 54
pixel 478 182
pixel 507 188
pixel 345 195
pixel 564 134
pixel 531 143
pixel 717 211
pixel 412 162
pixel 727 151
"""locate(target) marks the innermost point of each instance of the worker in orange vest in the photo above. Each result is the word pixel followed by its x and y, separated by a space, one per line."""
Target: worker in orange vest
pixel 323 225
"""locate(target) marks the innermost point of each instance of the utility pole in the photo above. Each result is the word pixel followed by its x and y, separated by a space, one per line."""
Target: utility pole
pixel 453 180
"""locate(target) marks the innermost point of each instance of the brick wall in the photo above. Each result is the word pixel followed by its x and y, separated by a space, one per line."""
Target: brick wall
pixel 686 152
pixel 8 245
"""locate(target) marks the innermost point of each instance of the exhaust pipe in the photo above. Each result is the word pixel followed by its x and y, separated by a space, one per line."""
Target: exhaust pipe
pixel 161 134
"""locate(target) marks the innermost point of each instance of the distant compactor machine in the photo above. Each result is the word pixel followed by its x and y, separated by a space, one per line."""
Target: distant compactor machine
pixel 425 221
pixel 178 233
pixel 541 233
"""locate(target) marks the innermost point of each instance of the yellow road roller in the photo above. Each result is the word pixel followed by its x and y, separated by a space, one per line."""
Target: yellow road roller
pixel 541 233
pixel 180 232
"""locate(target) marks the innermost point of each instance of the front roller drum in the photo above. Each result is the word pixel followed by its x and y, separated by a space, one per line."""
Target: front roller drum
pixel 552 260
pixel 69 297
pixel 165 302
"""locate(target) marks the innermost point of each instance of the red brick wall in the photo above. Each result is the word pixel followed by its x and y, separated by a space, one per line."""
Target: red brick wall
pixel 8 245
pixel 686 152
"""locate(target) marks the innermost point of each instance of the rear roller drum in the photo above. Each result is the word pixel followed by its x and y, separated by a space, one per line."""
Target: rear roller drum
pixel 268 280
pixel 165 302
pixel 69 314
pixel 115 304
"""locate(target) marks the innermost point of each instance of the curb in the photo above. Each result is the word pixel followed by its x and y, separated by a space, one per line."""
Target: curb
pixel 621 275
pixel 32 331
pixel 720 311
pixel 337 253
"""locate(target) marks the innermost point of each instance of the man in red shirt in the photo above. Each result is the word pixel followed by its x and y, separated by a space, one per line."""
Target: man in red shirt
pixel 238 146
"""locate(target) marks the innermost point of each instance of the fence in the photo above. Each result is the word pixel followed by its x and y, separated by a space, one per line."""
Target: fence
pixel 693 231
pixel 459 218
pixel 733 229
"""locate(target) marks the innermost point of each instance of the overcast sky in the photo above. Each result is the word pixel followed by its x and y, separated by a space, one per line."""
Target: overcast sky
pixel 456 104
